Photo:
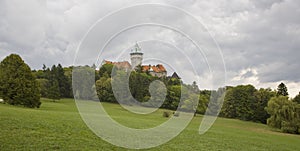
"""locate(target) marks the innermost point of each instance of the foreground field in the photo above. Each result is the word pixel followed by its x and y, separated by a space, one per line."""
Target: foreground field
pixel 58 126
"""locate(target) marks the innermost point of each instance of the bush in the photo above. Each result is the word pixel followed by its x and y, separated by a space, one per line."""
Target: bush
pixel 166 114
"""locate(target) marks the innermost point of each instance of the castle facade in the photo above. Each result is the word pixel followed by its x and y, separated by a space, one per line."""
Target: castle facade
pixel 136 58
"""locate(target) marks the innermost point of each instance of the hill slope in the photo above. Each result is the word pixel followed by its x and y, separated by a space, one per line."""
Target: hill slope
pixel 58 126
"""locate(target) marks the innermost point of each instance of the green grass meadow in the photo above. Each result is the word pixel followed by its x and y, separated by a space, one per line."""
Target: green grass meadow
pixel 58 126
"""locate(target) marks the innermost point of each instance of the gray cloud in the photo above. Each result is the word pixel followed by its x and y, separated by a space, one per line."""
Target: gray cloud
pixel 265 4
pixel 261 35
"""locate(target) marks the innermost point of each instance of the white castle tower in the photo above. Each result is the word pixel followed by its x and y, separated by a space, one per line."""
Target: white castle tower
pixel 136 56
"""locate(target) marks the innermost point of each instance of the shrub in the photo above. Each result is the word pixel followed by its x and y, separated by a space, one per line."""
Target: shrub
pixel 166 114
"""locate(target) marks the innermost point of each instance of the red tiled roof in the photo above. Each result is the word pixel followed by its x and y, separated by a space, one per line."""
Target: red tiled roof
pixel 145 68
pixel 158 68
pixel 123 64
pixel 161 67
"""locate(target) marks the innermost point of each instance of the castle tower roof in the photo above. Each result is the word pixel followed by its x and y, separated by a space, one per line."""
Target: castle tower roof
pixel 175 75
pixel 136 49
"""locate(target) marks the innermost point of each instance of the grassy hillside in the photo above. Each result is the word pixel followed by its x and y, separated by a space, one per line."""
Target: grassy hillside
pixel 58 126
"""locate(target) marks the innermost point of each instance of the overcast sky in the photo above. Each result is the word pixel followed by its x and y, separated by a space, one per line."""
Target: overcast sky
pixel 259 39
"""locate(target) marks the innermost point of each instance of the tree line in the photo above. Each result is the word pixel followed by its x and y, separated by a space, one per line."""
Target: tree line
pixel 21 86
pixel 139 88
pixel 271 107
pixel 55 82
pixel 284 111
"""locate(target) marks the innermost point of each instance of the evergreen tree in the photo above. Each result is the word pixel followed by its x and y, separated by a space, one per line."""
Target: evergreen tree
pixel 94 66
pixel 282 90
pixel 54 90
pixel 44 86
pixel 44 67
pixel 68 74
pixel 64 85
pixel 18 86
pixel 195 87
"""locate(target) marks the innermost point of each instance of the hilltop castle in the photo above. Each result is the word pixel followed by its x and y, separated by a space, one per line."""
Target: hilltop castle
pixel 136 57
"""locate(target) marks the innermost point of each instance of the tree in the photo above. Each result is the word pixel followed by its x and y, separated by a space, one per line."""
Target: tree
pixel 215 100
pixel 285 114
pixel 68 74
pixel 48 78
pixel 239 103
pixel 202 105
pixel 204 99
pixel 64 85
pixel 38 74
pixel 297 98
pixel 229 105
pixel 191 103
pixel 54 89
pixel 94 66
pixel 139 69
pixel 282 90
pixel 262 96
pixel 44 67
pixel 83 83
pixel 44 85
pixel 18 86
pixel 195 87
pixel 138 85
pixel 158 94
pixel 106 69
pixel 104 90
pixel 174 81
pixel 173 97
pixel 246 103
pixel 53 92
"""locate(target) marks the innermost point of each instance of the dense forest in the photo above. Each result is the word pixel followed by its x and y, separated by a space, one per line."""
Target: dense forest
pixel 21 86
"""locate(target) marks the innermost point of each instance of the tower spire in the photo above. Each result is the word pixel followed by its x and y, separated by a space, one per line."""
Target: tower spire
pixel 136 55
pixel 136 48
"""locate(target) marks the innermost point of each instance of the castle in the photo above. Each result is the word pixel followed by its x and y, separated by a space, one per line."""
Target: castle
pixel 136 57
